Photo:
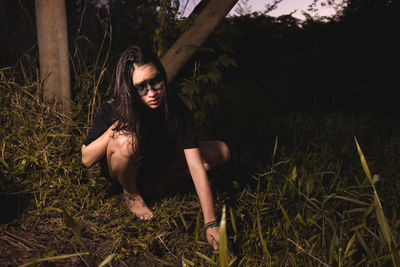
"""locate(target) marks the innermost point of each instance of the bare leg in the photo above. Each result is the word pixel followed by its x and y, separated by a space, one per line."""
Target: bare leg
pixel 213 153
pixel 123 165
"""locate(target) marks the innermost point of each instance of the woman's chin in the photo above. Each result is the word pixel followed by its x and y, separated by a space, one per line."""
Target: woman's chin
pixel 153 105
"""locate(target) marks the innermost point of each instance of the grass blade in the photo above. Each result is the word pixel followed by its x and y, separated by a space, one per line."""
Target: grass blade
pixel 233 220
pixel 383 224
pixel 293 176
pixel 364 245
pixel 363 162
pixel 223 242
pixel 349 245
pixel 74 226
pixel 107 260
pixel 274 152
pixel 351 200
pixel 53 258
pixel 263 243
pixel 201 255
pixel 185 262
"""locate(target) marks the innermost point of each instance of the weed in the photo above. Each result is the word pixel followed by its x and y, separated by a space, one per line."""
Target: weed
pixel 302 201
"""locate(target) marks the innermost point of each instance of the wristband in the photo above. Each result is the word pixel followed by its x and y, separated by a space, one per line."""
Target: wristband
pixel 211 224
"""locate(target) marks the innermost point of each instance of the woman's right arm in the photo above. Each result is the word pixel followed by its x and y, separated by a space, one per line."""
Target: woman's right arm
pixel 93 152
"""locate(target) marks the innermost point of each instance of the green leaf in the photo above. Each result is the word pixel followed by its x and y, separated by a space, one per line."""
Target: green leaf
pixel 74 226
pixel 189 103
pixel 214 76
pixel 211 99
pixel 227 61
pixel 203 78
pixel 199 116
pixel 184 24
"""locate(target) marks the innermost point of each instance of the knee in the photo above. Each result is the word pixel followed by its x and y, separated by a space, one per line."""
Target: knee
pixel 224 152
pixel 124 145
pixel 219 155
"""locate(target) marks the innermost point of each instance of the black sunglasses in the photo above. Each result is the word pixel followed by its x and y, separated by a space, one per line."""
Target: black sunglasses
pixel 144 87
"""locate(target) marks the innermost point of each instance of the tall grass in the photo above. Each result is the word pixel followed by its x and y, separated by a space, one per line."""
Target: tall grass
pixel 305 199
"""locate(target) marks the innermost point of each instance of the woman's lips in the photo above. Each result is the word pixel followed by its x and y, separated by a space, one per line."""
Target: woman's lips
pixel 152 102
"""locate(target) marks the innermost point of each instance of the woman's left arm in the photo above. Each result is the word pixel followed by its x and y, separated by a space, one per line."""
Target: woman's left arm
pixel 203 189
pixel 200 180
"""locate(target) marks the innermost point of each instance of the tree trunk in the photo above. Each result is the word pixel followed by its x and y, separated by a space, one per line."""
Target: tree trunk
pixel 51 23
pixel 209 17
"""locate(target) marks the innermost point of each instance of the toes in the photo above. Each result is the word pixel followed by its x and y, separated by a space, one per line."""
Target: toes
pixel 149 216
pixel 145 216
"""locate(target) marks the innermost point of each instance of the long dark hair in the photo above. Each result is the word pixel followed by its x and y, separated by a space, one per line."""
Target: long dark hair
pixel 128 109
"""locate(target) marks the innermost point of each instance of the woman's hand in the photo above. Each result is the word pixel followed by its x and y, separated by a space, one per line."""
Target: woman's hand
pixel 213 237
pixel 93 152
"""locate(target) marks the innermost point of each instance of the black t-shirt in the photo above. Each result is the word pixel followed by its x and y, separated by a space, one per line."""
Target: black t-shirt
pixel 184 136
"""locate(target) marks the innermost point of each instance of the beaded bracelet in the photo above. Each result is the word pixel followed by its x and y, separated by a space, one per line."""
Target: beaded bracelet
pixel 210 224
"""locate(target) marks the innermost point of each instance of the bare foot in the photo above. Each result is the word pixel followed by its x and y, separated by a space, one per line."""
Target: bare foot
pixel 137 205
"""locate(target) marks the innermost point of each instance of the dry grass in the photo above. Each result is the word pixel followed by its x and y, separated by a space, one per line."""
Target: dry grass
pixel 309 204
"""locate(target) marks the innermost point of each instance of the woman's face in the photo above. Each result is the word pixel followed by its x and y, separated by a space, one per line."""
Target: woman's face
pixel 149 85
